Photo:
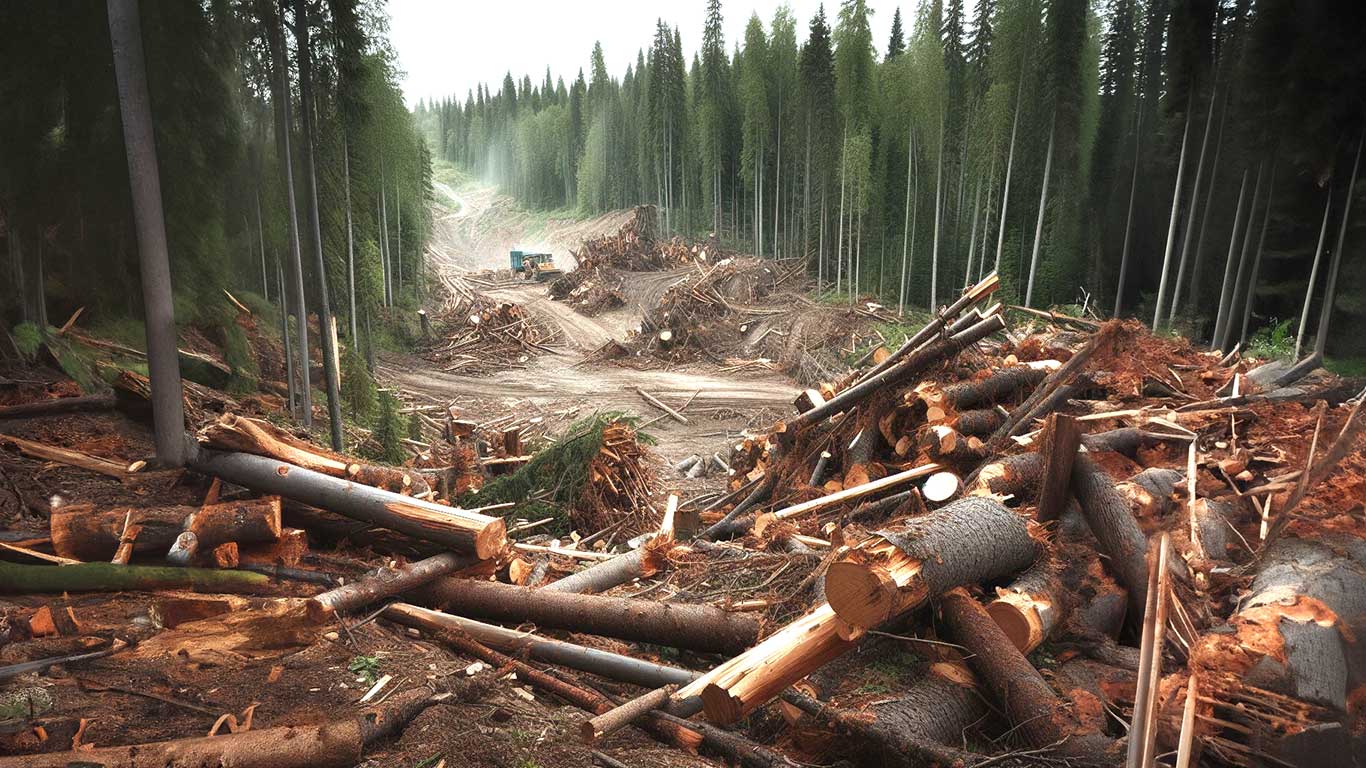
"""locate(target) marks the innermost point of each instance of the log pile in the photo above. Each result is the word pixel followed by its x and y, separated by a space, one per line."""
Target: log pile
pixel 475 334
pixel 701 312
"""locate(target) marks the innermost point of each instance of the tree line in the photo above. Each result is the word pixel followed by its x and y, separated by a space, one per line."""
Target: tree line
pixel 291 170
pixel 1172 161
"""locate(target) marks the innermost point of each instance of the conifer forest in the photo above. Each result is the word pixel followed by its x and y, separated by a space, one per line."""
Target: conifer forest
pixel 759 383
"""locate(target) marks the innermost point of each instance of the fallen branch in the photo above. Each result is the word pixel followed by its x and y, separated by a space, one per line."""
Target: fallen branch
pixel 652 400
pixel 64 456
pixel 382 583
pixel 58 405
pixel 110 577
pixel 1025 412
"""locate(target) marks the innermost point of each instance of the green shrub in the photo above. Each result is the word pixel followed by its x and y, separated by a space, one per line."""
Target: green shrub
pixel 389 432
pixel 1273 342
pixel 28 339
pixel 358 392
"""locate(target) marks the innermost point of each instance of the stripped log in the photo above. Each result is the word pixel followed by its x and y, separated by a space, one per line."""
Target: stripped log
pixel 615 666
pixel 696 627
pixel 1030 607
pixel 382 583
pixel 646 560
pixel 459 529
pixel 1001 386
pixel 893 571
pixel 1028 700
pixel 857 492
pixel 613 720
pixel 58 405
pixel 237 433
pixel 338 744
pixel 71 458
pixel 1111 520
pixel 656 402
pixel 914 362
pixel 748 681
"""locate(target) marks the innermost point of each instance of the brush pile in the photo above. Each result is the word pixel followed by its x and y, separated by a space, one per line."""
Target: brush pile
pixel 481 335
pixel 703 311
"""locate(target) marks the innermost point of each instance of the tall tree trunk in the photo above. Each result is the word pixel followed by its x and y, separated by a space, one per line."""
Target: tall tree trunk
pixel 1257 256
pixel 1043 208
pixel 778 178
pixel 1314 272
pixel 1330 292
pixel 1195 198
pixel 839 238
pixel 398 235
pixel 806 199
pixel 1205 213
pixel 972 241
pixel 986 216
pixel 284 338
pixel 820 245
pixel 938 218
pixel 1226 292
pixel 1171 223
pixel 1010 164
pixel 261 238
pixel 163 365
pixel 1236 301
pixel 325 328
pixel 350 240
pixel 385 257
pixel 906 222
pixel 41 292
pixel 1129 217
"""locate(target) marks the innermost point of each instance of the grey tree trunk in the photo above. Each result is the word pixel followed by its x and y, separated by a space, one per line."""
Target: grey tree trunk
pixel 280 96
pixel 284 339
pixel 1330 292
pixel 1204 215
pixel 972 241
pixel 386 256
pixel 1129 218
pixel 163 365
pixel 906 223
pixel 1225 293
pixel 1314 273
pixel 325 327
pixel 261 238
pixel 1257 257
pixel 1171 224
pixel 1043 208
pixel 778 179
pixel 383 252
pixel 1010 164
pixel 40 295
pixel 1226 329
pixel 350 240
pixel 398 235
pixel 1195 197
pixel 986 216
pixel 839 238
pixel 938 185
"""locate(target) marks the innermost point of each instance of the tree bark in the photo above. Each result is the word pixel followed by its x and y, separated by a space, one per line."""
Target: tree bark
pixel 1043 208
pixel 1111 520
pixel 893 571
pixel 691 626
pixel 58 405
pixel 1330 291
pixel 1058 445
pixel 111 577
pixel 382 583
pixel 980 422
pixel 1030 607
pixel 1002 386
pixel 1226 292
pixel 1030 409
pixel 1175 217
pixel 81 532
pixel 1195 198
pixel 463 531
pixel 1313 273
pixel 168 415
pixel 638 563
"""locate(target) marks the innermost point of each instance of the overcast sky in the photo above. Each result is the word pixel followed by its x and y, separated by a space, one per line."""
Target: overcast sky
pixel 447 46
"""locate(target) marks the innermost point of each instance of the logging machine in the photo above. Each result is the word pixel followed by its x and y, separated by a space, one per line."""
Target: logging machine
pixel 534 266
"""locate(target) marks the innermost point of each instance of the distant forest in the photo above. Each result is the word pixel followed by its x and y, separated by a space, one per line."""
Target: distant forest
pixel 1193 164
pixel 285 152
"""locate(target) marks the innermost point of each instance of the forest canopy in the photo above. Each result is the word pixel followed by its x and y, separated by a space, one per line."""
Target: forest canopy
pixel 1086 149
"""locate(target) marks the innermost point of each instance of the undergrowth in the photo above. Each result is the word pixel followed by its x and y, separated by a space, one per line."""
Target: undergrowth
pixel 549 484
pixel 1273 342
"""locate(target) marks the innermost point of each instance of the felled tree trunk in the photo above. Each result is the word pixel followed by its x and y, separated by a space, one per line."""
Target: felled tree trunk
pixel 937 708
pixel 1030 607
pixel 1027 698
pixel 893 571
pixel 944 444
pixel 81 532
pixel 1111 520
pixel 1150 491
pixel 980 422
pixel 381 583
pixel 111 577
pixel 461 530
pixel 643 561
pixel 236 433
pixel 1018 476
pixel 858 459
pixel 58 405
pixel 1002 386
pixel 696 627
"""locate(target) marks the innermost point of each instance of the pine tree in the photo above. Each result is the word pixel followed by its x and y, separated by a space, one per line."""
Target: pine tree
pixel 897 44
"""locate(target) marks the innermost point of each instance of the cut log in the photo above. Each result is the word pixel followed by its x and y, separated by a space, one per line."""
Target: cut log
pixel 338 744
pixel 171 612
pixel 893 571
pixel 1058 445
pixel 647 560
pixel 976 293
pixel 652 400
pixel 109 577
pixel 58 405
pixel 249 521
pixel 1031 408
pixel 459 529
pixel 857 492
pixel 732 523
pixel 941 486
pixel 1002 386
pixel 1026 697
pixel 1016 476
pixel 980 423
pixel 859 456
pixel 818 472
pixel 695 627
pixel 255 436
pixel 81 532
pixel 289 551
pixel 626 669
pixel 914 362
pixel 1031 607
pixel 381 583
pixel 1111 521
pixel 936 709
pixel 748 681
pixel 943 444
pixel 1150 491
pixel 613 720
pixel 63 456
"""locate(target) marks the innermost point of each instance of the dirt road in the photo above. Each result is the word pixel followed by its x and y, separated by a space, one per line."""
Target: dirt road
pixel 473 225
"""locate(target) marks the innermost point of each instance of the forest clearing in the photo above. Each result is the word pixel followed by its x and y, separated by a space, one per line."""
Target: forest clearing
pixel 796 404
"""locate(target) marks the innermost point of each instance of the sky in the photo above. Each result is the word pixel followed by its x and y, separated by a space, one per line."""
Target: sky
pixel 445 47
